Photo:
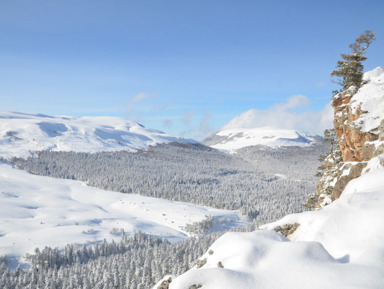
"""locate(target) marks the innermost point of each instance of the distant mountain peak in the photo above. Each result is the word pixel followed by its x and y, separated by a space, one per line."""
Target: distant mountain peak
pixel 23 133
pixel 231 140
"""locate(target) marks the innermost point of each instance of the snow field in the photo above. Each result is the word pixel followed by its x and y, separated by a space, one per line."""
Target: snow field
pixel 38 211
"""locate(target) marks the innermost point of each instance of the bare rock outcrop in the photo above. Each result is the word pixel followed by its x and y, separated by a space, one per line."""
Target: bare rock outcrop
pixel 356 144
pixel 201 263
pixel 287 229
pixel 165 283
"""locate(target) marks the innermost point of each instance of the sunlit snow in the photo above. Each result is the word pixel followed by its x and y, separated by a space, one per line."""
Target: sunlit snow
pixel 21 134
pixel 233 139
pixel 341 246
pixel 38 211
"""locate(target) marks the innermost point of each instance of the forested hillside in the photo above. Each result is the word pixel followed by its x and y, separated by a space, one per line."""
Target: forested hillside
pixel 264 184
pixel 136 262
pixel 249 182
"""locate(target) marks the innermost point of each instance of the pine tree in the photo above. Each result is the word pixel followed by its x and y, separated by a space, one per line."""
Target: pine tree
pixel 350 70
pixel 334 154
pixel 333 157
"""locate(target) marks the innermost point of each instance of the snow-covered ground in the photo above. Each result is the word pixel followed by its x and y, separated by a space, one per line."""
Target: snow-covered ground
pixel 22 133
pixel 341 246
pixel 370 99
pixel 38 211
pixel 233 139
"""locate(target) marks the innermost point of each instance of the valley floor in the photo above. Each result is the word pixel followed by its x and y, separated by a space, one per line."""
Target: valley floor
pixel 38 211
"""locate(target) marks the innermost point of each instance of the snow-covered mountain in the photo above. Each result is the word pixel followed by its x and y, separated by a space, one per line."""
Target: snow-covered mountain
pixel 233 139
pixel 22 133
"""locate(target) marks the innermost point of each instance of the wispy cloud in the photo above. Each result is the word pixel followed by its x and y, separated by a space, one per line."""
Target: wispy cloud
pixel 168 123
pixel 137 98
pixel 188 115
pixel 205 128
pixel 201 127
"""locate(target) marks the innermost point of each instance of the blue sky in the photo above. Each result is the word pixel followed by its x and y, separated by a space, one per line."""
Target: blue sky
pixel 184 67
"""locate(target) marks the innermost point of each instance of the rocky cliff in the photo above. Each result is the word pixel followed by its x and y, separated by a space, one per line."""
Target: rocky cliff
pixel 359 128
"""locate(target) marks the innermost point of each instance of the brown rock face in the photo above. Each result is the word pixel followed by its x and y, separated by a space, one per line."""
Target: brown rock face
pixel 357 146
pixel 352 141
pixel 354 171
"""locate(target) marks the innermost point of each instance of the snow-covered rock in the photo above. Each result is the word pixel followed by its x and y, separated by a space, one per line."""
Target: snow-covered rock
pixel 22 133
pixel 233 139
pixel 359 118
pixel 359 127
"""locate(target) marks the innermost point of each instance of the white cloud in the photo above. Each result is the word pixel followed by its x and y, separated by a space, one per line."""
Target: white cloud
pixel 294 102
pixel 137 98
pixel 295 113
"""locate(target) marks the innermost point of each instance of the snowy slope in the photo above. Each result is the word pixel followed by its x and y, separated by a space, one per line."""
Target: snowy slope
pixel 22 133
pixel 233 139
pixel 38 211
pixel 341 246
pixel 370 99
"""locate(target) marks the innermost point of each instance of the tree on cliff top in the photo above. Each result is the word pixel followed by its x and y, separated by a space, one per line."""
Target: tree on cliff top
pixel 350 70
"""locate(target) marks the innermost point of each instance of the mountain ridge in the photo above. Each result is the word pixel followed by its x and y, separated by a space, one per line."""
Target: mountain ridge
pixel 230 140
pixel 21 134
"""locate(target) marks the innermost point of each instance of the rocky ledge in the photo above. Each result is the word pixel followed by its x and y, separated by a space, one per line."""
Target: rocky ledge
pixel 359 127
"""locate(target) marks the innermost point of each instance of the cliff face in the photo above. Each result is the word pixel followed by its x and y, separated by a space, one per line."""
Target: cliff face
pixel 359 118
pixel 359 127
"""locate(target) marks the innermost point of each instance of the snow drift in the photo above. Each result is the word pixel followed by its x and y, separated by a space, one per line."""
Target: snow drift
pixel 341 246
